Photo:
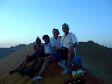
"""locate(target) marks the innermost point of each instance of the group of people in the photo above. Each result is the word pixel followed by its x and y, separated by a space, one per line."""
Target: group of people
pixel 59 48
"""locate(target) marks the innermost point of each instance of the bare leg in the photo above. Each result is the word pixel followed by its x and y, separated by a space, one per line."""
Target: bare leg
pixel 45 65
pixel 21 66
pixel 24 64
pixel 39 63
pixel 43 68
pixel 70 54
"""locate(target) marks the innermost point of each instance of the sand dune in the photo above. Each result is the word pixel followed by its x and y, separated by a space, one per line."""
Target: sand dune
pixel 12 61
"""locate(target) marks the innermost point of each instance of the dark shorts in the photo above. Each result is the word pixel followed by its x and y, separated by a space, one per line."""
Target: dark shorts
pixel 40 55
pixel 61 54
pixel 46 55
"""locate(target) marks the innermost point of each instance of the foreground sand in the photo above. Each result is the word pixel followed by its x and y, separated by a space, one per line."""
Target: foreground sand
pixel 53 74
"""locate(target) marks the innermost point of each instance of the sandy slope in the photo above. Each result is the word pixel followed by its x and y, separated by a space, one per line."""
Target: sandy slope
pixel 18 79
pixel 12 61
pixel 52 76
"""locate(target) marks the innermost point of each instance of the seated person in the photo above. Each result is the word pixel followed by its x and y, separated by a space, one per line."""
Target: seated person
pixel 56 43
pixel 48 52
pixel 31 60
pixel 68 43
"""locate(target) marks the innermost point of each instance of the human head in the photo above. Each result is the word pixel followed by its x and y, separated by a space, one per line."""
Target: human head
pixel 46 38
pixel 65 28
pixel 38 40
pixel 55 32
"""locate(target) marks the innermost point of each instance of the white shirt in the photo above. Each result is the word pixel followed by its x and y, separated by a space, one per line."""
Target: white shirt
pixel 66 41
pixel 56 42
pixel 48 48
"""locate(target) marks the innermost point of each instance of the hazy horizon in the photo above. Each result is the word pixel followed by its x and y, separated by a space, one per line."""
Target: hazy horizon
pixel 21 21
pixel 9 45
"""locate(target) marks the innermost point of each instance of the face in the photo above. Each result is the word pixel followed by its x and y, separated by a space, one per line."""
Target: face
pixel 65 29
pixel 38 42
pixel 46 40
pixel 55 33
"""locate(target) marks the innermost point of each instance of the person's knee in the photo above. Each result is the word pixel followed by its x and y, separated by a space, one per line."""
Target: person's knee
pixel 47 60
pixel 71 51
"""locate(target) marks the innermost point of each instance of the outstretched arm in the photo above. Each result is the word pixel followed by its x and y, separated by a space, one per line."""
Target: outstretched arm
pixel 71 52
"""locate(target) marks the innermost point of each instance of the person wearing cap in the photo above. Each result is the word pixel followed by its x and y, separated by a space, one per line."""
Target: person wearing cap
pixel 68 42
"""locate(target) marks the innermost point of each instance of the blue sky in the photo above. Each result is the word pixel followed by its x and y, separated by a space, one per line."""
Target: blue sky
pixel 21 21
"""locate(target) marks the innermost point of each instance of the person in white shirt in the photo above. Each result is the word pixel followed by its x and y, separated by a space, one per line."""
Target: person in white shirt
pixel 48 52
pixel 56 44
pixel 56 39
pixel 70 42
pixel 47 47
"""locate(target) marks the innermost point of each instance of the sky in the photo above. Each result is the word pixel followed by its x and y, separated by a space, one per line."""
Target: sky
pixel 21 21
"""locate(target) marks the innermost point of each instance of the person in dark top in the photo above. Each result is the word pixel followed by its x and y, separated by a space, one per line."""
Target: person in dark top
pixel 30 61
pixel 39 48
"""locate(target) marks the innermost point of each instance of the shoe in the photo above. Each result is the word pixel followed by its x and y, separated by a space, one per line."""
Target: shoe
pixel 38 77
pixel 78 73
pixel 11 72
